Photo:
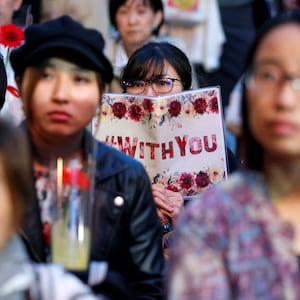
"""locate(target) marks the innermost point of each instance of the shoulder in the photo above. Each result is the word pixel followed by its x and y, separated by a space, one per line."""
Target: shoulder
pixel 111 160
pixel 231 197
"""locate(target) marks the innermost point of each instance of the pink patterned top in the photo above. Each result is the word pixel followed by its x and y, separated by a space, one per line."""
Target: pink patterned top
pixel 230 243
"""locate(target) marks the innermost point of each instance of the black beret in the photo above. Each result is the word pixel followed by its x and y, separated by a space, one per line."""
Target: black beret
pixel 64 37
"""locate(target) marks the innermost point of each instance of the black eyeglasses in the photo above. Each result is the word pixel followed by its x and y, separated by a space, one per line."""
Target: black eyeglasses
pixel 159 85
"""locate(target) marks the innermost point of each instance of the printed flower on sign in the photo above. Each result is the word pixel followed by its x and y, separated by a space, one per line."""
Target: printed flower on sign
pixel 216 174
pixel 11 36
pixel 147 104
pixel 202 179
pixel 135 112
pixel 213 105
pixel 188 110
pixel 119 109
pixel 200 106
pixel 174 108
pixel 106 111
pixel 186 180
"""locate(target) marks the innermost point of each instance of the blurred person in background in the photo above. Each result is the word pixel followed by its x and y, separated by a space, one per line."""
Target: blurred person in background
pixel 241 238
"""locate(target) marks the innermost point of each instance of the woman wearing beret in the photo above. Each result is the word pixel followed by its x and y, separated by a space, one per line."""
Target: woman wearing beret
pixel 62 71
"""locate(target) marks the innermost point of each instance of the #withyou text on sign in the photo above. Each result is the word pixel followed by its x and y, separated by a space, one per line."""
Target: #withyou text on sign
pixel 179 138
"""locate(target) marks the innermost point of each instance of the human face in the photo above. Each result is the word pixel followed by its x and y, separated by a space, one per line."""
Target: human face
pixel 135 21
pixel 64 99
pixel 6 210
pixel 7 8
pixel 274 113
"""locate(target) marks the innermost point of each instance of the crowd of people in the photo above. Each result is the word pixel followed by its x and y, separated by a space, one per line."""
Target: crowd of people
pixel 239 239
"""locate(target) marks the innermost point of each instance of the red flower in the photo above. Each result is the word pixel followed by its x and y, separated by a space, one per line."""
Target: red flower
pixel 135 112
pixel 11 36
pixel 200 105
pixel 186 180
pixel 214 105
pixel 119 110
pixel 202 179
pixel 148 105
pixel 175 108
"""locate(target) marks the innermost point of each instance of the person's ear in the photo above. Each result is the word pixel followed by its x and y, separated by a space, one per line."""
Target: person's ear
pixel 158 18
pixel 17 4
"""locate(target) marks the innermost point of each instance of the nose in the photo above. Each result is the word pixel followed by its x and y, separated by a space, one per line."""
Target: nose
pixel 287 96
pixel 132 17
pixel 149 90
pixel 60 89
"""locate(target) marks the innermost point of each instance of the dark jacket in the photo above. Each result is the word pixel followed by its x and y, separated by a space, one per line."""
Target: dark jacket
pixel 127 236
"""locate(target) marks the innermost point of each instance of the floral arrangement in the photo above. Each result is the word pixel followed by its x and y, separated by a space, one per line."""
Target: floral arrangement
pixel 191 183
pixel 11 36
pixel 157 112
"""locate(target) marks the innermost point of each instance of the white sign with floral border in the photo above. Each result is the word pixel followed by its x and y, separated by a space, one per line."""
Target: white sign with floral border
pixel 179 138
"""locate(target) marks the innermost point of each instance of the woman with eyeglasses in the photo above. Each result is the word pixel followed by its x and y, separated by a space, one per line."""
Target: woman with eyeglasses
pixel 241 238
pixel 160 69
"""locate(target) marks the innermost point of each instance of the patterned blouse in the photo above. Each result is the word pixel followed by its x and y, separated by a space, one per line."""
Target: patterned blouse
pixel 230 244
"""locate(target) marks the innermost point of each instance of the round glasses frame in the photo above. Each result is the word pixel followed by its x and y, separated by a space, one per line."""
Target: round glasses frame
pixel 159 85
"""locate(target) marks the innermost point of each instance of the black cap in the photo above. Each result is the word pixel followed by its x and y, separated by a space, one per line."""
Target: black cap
pixel 63 37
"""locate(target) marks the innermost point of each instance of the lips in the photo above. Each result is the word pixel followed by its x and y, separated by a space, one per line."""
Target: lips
pixel 283 128
pixel 59 116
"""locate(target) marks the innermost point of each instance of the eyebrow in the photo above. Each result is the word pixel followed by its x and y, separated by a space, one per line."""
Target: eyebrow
pixel 48 64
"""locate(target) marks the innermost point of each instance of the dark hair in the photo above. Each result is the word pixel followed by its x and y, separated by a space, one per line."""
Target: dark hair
pixel 15 161
pixel 3 82
pixel 151 58
pixel 156 6
pixel 250 149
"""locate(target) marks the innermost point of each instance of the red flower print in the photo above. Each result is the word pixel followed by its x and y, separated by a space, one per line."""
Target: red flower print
pixel 119 110
pixel 186 180
pixel 174 108
pixel 148 105
pixel 200 105
pixel 11 36
pixel 202 179
pixel 213 105
pixel 135 112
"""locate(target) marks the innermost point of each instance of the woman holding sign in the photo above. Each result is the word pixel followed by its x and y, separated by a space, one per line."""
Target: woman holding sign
pixel 241 239
pixel 161 69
